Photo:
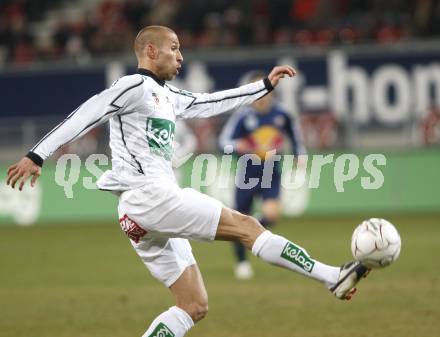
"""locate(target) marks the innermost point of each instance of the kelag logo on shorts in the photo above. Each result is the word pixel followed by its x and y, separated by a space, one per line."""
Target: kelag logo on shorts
pixel 160 136
pixel 296 255
pixel 162 331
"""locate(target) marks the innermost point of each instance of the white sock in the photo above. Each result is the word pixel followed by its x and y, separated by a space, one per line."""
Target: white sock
pixel 174 322
pixel 279 251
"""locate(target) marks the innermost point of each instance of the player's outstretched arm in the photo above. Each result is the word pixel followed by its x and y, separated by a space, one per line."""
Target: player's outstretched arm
pixel 95 111
pixel 202 105
pixel 21 171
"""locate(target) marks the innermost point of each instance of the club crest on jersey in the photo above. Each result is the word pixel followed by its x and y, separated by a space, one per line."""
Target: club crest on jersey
pixel 131 228
pixel 156 98
pixel 160 136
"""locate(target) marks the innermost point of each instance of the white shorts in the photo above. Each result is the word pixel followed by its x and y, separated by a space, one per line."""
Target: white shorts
pixel 160 218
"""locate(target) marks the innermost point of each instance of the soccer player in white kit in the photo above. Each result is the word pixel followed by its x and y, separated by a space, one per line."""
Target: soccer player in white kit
pixel 157 215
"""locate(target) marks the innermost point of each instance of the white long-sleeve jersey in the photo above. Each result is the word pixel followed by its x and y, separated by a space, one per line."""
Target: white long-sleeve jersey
pixel 142 111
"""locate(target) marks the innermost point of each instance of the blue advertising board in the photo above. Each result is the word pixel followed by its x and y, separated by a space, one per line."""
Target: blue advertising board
pixel 381 87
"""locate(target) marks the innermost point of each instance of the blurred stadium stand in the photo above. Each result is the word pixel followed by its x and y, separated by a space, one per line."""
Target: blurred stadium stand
pixel 50 30
pixel 65 47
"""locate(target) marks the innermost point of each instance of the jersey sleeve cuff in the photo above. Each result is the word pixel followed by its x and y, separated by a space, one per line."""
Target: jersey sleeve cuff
pixel 268 84
pixel 35 158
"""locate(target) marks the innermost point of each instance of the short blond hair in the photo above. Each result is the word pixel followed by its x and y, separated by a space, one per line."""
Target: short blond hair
pixel 149 35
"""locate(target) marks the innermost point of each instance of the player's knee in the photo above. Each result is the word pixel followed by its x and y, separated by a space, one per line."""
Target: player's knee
pixel 200 312
pixel 271 213
pixel 270 219
pixel 197 309
pixel 235 226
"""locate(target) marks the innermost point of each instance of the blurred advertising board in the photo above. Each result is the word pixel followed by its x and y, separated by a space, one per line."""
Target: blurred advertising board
pixel 387 88
pixel 362 89
pixel 406 183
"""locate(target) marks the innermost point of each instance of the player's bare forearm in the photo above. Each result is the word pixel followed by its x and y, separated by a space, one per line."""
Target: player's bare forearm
pixel 21 171
pixel 280 72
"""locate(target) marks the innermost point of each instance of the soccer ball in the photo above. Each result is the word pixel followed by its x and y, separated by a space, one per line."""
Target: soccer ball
pixel 376 243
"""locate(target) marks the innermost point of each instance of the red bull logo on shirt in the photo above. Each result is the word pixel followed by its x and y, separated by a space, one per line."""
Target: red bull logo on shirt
pixel 266 139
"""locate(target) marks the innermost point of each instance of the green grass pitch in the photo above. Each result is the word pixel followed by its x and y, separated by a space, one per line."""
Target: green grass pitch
pixel 86 281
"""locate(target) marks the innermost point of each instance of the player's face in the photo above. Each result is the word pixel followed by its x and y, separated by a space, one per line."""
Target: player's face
pixel 169 60
pixel 264 104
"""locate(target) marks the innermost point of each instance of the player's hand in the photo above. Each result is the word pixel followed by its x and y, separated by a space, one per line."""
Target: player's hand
pixel 21 171
pixel 280 72
pixel 243 146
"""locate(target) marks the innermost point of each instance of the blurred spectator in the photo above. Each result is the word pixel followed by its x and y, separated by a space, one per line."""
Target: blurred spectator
pixel 111 25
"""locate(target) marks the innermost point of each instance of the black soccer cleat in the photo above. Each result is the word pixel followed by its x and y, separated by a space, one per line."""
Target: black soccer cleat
pixel 349 275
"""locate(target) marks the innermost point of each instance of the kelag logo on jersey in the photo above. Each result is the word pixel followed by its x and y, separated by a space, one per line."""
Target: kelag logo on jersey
pixel 162 331
pixel 160 136
pixel 296 255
